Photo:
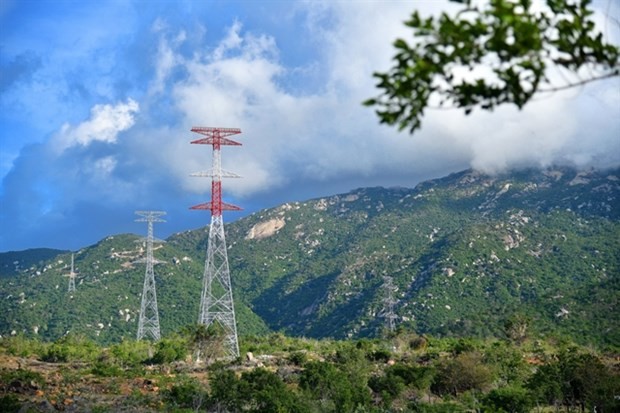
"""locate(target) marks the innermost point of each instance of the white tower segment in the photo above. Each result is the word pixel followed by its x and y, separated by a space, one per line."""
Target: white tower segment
pixel 71 276
pixel 389 301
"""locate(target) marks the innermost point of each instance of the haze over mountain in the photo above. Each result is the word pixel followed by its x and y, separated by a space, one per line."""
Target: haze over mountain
pixel 466 253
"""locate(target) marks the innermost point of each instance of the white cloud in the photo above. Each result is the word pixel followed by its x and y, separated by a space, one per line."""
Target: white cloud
pixel 327 134
pixel 105 122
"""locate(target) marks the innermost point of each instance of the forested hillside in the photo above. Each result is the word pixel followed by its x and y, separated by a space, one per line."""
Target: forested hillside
pixel 468 255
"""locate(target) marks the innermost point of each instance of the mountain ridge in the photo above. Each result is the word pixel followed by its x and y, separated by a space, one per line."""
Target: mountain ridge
pixel 467 253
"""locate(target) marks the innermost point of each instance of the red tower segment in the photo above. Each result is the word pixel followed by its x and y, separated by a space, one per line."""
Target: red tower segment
pixel 216 138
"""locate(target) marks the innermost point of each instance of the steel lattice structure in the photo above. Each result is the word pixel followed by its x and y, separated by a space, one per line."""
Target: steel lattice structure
pixel 216 303
pixel 389 302
pixel 71 276
pixel 148 325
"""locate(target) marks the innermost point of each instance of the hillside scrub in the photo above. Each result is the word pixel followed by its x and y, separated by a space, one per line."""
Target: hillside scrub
pixel 285 374
pixel 522 255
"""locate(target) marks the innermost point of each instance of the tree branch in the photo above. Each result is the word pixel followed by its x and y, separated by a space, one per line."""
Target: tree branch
pixel 581 83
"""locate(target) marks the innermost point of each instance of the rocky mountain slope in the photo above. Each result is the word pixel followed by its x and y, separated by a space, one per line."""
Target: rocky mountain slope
pixel 465 255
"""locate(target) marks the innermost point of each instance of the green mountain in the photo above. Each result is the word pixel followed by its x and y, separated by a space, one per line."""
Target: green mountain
pixel 106 303
pixel 14 262
pixel 466 255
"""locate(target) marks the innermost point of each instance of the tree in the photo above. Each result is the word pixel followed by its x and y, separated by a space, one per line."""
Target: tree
pixel 258 390
pixel 464 372
pixel 576 379
pixel 207 343
pixel 487 56
pixel 516 327
pixel 509 400
pixel 332 388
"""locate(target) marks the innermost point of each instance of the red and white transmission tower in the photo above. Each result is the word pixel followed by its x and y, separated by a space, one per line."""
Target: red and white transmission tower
pixel 216 302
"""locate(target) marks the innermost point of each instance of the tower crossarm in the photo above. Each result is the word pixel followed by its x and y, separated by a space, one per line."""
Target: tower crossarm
pixel 208 206
pixel 215 131
pixel 215 174
pixel 216 141
pixel 152 216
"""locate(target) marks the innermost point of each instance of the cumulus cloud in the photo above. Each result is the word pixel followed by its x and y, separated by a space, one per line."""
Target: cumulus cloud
pixel 104 125
pixel 325 134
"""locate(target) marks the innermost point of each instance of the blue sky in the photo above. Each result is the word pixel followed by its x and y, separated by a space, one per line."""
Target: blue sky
pixel 97 100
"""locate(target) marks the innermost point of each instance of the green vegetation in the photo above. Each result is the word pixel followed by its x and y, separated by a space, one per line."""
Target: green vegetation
pixel 530 254
pixel 379 375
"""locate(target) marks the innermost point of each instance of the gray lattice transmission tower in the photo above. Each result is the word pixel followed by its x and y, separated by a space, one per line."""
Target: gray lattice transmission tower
pixel 216 304
pixel 71 276
pixel 148 325
pixel 388 303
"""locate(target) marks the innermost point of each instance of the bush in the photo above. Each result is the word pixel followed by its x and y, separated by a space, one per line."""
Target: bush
pixel 187 393
pixel 103 369
pixel 388 386
pixel 334 389
pixel 21 378
pixel 9 403
pixel 298 358
pixel 437 408
pixel 509 400
pixel 419 377
pixel 380 355
pixel 21 346
pixel 576 378
pixel 71 348
pixel 258 390
pixel 130 353
pixel 169 350
pixel 462 373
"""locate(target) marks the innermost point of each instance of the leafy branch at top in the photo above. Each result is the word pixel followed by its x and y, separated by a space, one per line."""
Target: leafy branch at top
pixel 485 57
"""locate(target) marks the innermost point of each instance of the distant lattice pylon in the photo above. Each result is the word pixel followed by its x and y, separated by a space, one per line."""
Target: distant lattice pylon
pixel 216 303
pixel 71 276
pixel 148 325
pixel 389 302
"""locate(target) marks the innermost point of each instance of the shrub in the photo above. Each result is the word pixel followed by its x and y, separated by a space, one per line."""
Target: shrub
pixel 9 403
pixel 21 378
pixel 298 358
pixel 169 350
pixel 21 346
pixel 380 355
pixel 462 373
pixel 258 390
pixel 418 377
pixel 71 348
pixel 130 353
pixel 103 369
pixel 334 389
pixel 187 393
pixel 437 408
pixel 388 386
pixel 509 400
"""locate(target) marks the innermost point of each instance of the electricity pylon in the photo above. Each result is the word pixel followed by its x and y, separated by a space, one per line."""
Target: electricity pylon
pixel 216 303
pixel 71 276
pixel 388 303
pixel 148 324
